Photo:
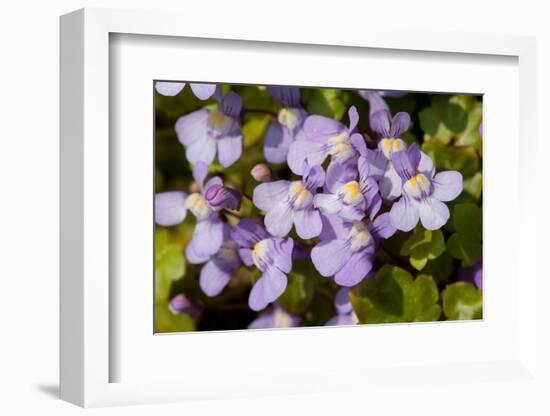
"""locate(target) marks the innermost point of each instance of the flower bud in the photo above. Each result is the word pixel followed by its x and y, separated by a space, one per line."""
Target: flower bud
pixel 221 197
pixel 262 173
pixel 181 304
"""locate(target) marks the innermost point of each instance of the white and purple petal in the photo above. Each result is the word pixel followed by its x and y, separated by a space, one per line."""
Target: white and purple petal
pixel 170 208
pixel 169 88
pixel 447 185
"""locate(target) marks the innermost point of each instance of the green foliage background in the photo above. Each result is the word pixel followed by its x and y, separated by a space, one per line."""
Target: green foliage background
pixel 418 280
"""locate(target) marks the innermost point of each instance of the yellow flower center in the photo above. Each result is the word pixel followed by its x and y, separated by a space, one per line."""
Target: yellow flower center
pixel 340 147
pixel 418 185
pixel 351 193
pixel 218 121
pixel 359 236
pixel 389 145
pixel 197 205
pixel 300 196
pixel 288 117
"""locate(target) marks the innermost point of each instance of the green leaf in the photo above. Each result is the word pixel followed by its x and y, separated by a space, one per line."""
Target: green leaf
pixel 325 102
pixel 299 291
pixel 440 268
pixel 473 186
pixel 169 264
pixel 465 159
pixel 423 245
pixel 254 128
pixel 166 321
pixel 466 243
pixel 461 301
pixel 394 296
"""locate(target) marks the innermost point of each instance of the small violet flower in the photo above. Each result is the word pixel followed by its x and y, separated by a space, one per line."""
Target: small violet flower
pixel 347 249
pixel 275 318
pixel 326 137
pixel 287 203
pixel 206 132
pixel 171 209
pixel 201 91
pixel 379 160
pixel 352 200
pixel 271 255
pixel 282 132
pixel 423 192
pixel 217 271
pixel 344 311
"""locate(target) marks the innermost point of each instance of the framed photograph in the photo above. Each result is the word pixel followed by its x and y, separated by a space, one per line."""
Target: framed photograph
pixel 281 213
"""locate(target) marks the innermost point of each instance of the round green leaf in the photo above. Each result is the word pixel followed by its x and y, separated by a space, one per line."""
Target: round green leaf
pixel 462 301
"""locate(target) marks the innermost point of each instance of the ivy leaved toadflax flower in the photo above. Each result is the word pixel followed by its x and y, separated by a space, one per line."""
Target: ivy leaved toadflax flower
pixel 206 132
pixel 344 311
pixel 287 128
pixel 171 209
pixel 347 249
pixel 377 100
pixel 379 160
pixel 288 203
pixel 217 271
pixel 201 91
pixel 424 192
pixel 354 199
pixel 271 255
pixel 325 137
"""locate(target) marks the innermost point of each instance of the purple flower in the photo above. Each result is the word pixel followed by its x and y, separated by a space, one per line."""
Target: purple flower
pixel 376 99
pixel 473 274
pixel 344 311
pixel 282 132
pixel 347 249
pixel 206 131
pixel 182 304
pixel 171 208
pixel 326 137
pixel 275 318
pixel 352 200
pixel 379 160
pixel 271 255
pixel 201 91
pixel 217 271
pixel 287 203
pixel 221 197
pixel 423 192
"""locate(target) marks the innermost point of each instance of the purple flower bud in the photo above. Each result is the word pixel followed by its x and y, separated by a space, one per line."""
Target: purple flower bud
pixel 219 196
pixel 181 304
pixel 262 173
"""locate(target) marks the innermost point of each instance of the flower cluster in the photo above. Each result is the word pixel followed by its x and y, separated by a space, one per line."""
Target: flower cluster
pixel 345 193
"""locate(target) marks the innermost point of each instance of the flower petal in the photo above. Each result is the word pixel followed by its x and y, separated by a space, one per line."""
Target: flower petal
pixel 320 128
pixel 274 284
pixel 330 256
pixel 302 150
pixel 314 177
pixel 339 320
pixel 373 164
pixel 342 303
pixel 276 143
pixel 353 213
pixel 289 97
pixel 380 122
pixel 327 203
pixel 404 214
pixel 267 194
pixel 355 269
pixel 201 151
pixel 339 174
pixel 334 228
pixel 170 208
pixel 232 104
pixel 214 277
pixel 193 127
pixel 200 171
pixel 282 253
pixel 308 223
pixel 434 214
pixel 400 123
pixel 246 256
pixel 203 91
pixel 353 118
pixel 169 88
pixel 358 143
pixel 382 227
pixel 247 233
pixel 391 185
pixel 230 148
pixel 256 299
pixel 207 237
pixel 447 185
pixel 278 220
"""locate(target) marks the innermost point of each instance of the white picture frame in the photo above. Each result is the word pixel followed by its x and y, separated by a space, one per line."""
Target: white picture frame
pixel 87 357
